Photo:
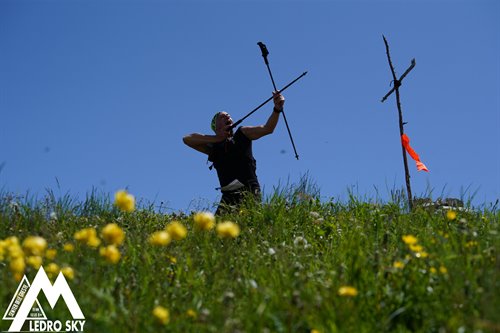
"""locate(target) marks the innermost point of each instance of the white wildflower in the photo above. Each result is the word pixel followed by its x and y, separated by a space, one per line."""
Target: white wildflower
pixel 253 284
pixel 300 241
pixel 314 215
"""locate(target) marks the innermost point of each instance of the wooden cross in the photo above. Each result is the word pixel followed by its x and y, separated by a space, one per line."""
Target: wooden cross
pixel 395 88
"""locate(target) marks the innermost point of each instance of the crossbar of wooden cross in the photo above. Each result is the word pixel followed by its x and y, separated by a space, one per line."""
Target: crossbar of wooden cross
pixel 397 83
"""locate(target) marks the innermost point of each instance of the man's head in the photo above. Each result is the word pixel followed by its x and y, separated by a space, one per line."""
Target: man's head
pixel 220 121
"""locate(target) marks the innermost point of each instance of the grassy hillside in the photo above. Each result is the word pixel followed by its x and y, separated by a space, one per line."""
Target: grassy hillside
pixel 297 265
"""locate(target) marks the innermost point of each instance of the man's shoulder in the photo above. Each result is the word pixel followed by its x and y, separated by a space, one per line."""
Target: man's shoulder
pixel 241 132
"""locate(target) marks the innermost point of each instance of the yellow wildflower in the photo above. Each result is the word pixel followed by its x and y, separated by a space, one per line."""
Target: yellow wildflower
pixel 347 291
pixel 34 261
pixel 34 245
pixel 451 215
pixel 94 242
pixel 5 249
pixel 191 313
pixel 17 265
pixel 15 251
pixel 110 253
pixel 422 254
pixel 176 230
pixel 88 236
pixel 68 272
pixel 124 201
pixel 433 270
pixel 314 331
pixel 68 247
pixel 228 229
pixel 398 265
pixel 113 234
pixel 83 235
pixel 204 220
pixel 471 244
pixel 160 238
pixel 443 270
pixel 11 241
pixel 52 270
pixel 409 239
pixel 161 314
pixel 50 254
pixel 416 247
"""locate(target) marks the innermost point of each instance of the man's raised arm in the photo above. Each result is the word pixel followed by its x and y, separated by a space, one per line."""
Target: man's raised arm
pixel 256 132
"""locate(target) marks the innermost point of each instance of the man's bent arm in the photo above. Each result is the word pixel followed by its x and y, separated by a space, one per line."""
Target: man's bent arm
pixel 200 142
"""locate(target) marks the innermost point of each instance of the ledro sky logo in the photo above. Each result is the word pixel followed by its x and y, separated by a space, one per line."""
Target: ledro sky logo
pixel 25 306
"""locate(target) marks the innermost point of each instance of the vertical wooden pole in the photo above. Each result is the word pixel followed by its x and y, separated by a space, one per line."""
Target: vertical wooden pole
pixel 397 84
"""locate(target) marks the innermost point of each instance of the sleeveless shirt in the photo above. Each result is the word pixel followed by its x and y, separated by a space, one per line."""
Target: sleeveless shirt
pixel 233 159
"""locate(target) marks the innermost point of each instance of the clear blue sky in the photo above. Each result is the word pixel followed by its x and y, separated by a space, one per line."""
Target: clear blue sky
pixel 100 93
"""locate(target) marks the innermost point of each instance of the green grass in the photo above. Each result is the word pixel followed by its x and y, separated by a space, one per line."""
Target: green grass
pixel 282 274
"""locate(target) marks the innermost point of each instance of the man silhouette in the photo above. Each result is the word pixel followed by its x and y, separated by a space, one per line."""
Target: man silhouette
pixel 232 156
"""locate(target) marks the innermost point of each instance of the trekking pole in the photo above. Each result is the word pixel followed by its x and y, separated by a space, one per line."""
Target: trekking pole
pixel 265 53
pixel 266 101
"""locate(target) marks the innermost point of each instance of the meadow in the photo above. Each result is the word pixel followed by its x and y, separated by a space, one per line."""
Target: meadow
pixel 293 264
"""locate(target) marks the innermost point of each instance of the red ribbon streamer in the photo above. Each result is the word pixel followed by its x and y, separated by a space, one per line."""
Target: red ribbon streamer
pixel 405 140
